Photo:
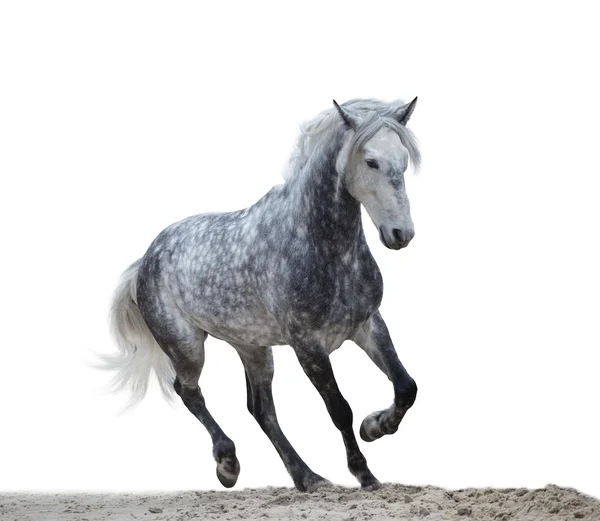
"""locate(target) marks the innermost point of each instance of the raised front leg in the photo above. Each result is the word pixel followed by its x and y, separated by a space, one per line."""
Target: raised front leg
pixel 375 339
pixel 315 362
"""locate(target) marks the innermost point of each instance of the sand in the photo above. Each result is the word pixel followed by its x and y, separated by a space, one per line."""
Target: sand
pixel 396 502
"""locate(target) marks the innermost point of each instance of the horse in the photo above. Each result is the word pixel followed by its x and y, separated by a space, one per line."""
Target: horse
pixel 292 269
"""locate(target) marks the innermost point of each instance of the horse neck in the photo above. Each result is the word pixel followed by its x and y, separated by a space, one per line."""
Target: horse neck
pixel 324 207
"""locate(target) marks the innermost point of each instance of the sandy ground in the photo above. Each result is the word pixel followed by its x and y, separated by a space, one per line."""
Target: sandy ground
pixel 396 502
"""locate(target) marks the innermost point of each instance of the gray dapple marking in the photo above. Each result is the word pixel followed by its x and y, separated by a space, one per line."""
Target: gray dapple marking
pixel 294 269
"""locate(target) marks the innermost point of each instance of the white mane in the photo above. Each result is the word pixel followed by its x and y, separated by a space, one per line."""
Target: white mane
pixel 328 126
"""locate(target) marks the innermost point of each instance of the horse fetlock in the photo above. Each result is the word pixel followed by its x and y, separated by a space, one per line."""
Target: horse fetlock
pixel 223 449
pixel 365 476
pixel 311 482
pixel 373 484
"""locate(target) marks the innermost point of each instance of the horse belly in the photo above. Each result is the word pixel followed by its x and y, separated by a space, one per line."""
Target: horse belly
pixel 233 313
pixel 249 329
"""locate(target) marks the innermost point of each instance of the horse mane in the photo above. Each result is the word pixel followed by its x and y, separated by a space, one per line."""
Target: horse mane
pixel 328 127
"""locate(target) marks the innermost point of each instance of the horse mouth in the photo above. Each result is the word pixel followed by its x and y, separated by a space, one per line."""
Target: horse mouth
pixel 391 243
pixel 384 241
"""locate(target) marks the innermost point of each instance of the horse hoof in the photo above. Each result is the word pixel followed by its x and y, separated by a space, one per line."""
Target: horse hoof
pixel 372 485
pixel 316 484
pixel 363 433
pixel 369 429
pixel 228 471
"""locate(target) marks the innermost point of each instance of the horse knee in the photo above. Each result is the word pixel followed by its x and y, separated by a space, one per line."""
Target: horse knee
pixel 407 395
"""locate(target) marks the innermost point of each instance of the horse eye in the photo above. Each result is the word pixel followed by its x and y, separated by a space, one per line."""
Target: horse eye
pixel 371 163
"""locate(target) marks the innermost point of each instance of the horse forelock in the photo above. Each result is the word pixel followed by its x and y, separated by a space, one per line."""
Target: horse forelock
pixel 328 127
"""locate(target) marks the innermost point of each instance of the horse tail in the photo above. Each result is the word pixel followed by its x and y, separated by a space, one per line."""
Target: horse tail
pixel 139 353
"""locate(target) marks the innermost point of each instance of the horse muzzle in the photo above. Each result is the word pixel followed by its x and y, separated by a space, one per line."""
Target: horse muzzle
pixel 396 238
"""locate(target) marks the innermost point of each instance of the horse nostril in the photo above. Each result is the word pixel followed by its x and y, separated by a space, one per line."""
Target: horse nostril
pixel 399 235
pixel 403 236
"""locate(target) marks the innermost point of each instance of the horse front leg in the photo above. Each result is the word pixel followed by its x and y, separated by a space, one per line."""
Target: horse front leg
pixel 373 337
pixel 314 359
pixel 259 367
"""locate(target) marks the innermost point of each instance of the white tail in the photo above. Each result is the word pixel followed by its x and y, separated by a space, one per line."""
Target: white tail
pixel 139 352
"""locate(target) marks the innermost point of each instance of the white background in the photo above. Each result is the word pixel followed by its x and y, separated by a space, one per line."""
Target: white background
pixel 119 118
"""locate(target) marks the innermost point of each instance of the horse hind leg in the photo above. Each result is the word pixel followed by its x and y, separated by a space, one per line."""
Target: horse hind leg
pixel 188 360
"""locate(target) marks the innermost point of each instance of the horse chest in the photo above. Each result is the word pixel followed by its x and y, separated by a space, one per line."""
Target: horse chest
pixel 359 290
pixel 335 297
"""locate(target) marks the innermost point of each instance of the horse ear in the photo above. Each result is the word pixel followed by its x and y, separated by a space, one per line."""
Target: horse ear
pixel 346 116
pixel 404 113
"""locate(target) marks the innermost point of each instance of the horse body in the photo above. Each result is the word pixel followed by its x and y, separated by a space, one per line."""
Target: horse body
pixel 289 270
pixel 294 269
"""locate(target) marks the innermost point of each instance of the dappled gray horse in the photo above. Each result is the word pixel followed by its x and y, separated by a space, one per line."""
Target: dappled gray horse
pixel 293 269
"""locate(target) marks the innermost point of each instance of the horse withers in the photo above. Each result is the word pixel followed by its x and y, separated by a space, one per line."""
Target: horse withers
pixel 293 269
